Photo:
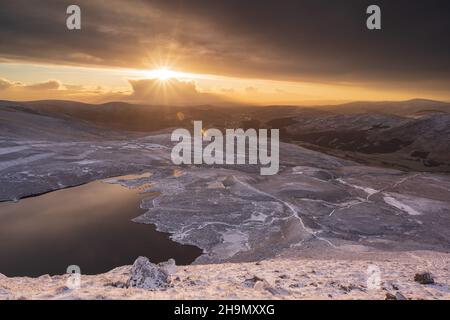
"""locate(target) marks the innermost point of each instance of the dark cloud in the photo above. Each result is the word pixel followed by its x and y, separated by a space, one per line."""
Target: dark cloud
pixel 313 40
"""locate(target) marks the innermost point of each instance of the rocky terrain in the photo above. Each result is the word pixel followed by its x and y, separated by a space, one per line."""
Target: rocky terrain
pixel 317 204
pixel 356 275
pixel 409 135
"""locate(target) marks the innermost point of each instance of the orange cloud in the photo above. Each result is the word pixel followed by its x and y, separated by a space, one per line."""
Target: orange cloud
pixel 50 89
pixel 6 84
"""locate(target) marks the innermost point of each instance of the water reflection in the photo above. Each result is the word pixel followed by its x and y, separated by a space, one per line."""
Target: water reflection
pixel 89 226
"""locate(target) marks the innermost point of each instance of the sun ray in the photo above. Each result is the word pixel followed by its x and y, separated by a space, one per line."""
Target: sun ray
pixel 164 74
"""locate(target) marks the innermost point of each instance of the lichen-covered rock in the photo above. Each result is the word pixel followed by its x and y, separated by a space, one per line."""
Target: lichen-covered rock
pixel 147 275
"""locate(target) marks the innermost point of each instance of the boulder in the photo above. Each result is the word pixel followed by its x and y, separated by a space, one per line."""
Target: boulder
pixel 169 267
pixel 424 278
pixel 150 276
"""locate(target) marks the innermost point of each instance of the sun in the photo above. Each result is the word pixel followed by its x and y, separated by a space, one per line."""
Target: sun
pixel 164 74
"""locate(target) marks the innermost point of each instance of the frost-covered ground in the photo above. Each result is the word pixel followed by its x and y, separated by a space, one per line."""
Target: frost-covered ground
pixel 354 276
pixel 235 215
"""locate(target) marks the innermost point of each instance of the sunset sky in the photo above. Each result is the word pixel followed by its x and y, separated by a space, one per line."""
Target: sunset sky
pixel 234 51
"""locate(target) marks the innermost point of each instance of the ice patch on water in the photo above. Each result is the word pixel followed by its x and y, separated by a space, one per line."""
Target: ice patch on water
pixel 233 241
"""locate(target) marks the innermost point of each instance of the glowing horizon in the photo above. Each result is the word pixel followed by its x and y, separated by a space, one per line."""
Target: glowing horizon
pixel 164 73
pixel 253 58
pixel 19 81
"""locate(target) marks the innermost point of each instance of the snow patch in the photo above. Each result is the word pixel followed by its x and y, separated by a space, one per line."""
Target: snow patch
pixel 401 206
pixel 86 162
pixel 8 150
pixel 367 190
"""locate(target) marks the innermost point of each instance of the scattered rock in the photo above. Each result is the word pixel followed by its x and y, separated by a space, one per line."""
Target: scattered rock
pixel 261 285
pixel 147 275
pixel 351 287
pixel 296 286
pixel 4 293
pixel 397 296
pixel 196 283
pixel 424 278
pixel 192 283
pixel 346 288
pixel 390 296
pixel 117 284
pixel 251 282
pixel 62 290
pixel 277 291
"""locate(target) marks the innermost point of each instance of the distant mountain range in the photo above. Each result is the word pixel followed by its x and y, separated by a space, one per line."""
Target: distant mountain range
pixel 410 135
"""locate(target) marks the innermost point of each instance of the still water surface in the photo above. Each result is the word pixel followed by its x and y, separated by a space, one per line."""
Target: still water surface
pixel 89 226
